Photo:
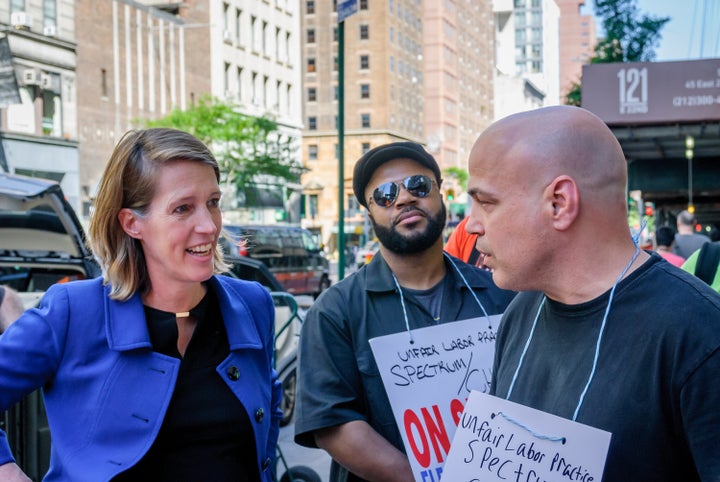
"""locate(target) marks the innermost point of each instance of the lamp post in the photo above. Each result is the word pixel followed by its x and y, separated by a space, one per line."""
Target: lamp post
pixel 689 154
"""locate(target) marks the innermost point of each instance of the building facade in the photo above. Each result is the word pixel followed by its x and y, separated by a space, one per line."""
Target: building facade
pixel 578 36
pixel 38 110
pixel 417 71
pixel 527 55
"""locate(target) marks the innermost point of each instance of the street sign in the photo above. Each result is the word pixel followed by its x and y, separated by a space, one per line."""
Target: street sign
pixel 345 8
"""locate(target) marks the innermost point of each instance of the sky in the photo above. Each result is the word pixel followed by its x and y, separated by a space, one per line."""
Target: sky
pixel 681 36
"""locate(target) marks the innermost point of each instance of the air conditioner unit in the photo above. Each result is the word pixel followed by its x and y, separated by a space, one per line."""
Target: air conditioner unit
pixel 227 36
pixel 50 31
pixel 50 82
pixel 30 77
pixel 21 20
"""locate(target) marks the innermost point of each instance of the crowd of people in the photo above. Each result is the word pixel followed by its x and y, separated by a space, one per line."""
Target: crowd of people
pixel 162 368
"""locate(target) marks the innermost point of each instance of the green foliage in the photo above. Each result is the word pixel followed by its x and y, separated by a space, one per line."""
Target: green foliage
pixel 460 175
pixel 245 147
pixel 629 37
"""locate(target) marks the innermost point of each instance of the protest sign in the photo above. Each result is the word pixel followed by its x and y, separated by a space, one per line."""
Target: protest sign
pixel 428 379
pixel 501 440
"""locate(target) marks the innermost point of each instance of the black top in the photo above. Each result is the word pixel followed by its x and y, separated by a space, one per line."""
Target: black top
pixel 655 387
pixel 206 433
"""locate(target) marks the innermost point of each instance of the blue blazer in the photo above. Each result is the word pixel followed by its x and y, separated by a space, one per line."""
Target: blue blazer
pixel 106 392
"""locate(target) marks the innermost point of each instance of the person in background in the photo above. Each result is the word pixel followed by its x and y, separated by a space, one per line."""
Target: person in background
pixel 687 241
pixel 341 403
pixel 664 239
pixel 601 332
pixel 11 307
pixel 162 369
pixel 463 245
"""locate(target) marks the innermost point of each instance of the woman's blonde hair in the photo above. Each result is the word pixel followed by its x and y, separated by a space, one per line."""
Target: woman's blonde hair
pixel 129 181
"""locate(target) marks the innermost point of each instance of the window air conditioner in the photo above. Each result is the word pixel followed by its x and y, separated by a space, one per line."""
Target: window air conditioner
pixel 21 20
pixel 30 77
pixel 50 31
pixel 227 36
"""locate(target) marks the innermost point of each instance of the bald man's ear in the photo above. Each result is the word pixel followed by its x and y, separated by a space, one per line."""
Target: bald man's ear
pixel 563 199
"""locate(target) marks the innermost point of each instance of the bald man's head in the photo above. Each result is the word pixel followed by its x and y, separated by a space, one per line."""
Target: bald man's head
pixel 539 145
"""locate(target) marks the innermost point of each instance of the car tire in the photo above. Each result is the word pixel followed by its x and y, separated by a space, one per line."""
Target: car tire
pixel 287 405
pixel 300 473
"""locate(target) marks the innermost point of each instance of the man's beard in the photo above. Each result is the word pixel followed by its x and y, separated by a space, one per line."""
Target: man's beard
pixel 417 242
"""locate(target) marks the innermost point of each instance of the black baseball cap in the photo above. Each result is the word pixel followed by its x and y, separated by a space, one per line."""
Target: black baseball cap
pixel 377 156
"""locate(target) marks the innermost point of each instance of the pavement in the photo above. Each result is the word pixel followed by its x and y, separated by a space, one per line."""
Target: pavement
pixel 294 455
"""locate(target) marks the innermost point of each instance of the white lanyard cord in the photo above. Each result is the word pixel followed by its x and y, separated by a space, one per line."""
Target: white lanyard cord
pixel 402 298
pixel 597 343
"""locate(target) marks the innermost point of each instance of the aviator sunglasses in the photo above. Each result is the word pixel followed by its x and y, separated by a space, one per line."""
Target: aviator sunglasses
pixel 386 193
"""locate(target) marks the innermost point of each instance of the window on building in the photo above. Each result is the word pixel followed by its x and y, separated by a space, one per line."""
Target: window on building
pixel 337 151
pixel 253 86
pixel 266 97
pixel 364 61
pixel 50 13
pixel 264 38
pixel 17 6
pixel 335 63
pixel 365 120
pixel 364 32
pixel 311 35
pixel 312 94
pixel 238 29
pixel 311 64
pixel 334 5
pixel 364 91
pixel 335 34
pixel 239 76
pixel 365 147
pixel 335 92
pixel 363 4
pixel 312 123
pixel 312 152
pixel 310 7
pixel 313 206
pixel 103 83
pixel 253 33
pixel 226 78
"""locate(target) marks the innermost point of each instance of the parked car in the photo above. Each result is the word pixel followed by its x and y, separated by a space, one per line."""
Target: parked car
pixel 290 252
pixel 41 243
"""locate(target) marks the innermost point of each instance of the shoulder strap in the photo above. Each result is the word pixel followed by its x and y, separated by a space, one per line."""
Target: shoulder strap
pixel 707 262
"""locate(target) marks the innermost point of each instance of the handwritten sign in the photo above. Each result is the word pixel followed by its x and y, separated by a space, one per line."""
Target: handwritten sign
pixel 501 440
pixel 429 380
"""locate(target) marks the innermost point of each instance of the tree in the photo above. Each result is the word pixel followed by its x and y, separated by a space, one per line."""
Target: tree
pixel 247 148
pixel 460 175
pixel 629 37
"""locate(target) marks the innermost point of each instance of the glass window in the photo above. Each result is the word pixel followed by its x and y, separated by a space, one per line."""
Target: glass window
pixel 311 64
pixel 364 91
pixel 365 120
pixel 313 152
pixel 363 4
pixel 364 61
pixel 49 13
pixel 312 94
pixel 365 147
pixel 364 32
pixel 310 7
pixel 311 35
pixel 312 123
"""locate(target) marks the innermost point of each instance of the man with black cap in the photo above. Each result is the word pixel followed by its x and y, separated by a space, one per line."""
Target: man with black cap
pixel 341 404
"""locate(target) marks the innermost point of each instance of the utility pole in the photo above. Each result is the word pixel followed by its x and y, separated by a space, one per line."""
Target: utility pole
pixel 345 8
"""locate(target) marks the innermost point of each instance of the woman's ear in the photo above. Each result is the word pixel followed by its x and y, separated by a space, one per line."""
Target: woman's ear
pixel 564 198
pixel 129 222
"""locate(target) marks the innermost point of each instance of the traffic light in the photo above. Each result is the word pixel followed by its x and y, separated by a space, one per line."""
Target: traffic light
pixel 450 193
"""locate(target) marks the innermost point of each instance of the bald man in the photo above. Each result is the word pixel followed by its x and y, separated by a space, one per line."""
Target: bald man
pixel 596 313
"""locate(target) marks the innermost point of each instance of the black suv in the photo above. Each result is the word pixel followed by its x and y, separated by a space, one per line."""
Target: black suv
pixel 290 252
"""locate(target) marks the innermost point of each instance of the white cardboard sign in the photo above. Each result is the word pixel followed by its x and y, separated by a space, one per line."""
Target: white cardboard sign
pixel 499 440
pixel 428 382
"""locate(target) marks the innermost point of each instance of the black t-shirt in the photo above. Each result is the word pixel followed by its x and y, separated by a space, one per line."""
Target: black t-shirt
pixel 655 387
pixel 206 433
